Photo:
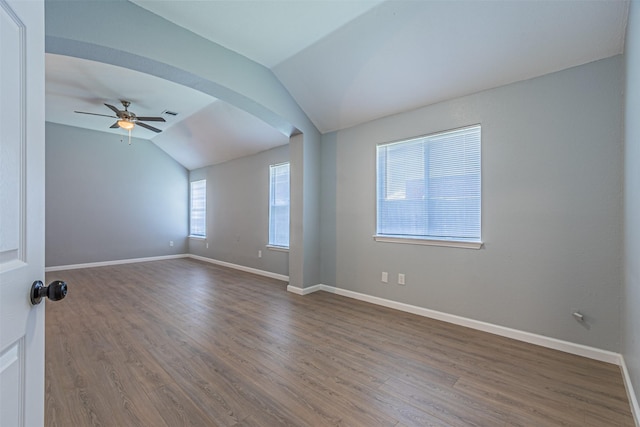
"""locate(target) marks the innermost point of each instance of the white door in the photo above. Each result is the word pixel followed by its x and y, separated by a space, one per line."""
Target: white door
pixel 21 211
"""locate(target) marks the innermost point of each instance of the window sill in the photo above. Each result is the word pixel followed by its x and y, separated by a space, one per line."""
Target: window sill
pixel 278 248
pixel 197 237
pixel 428 242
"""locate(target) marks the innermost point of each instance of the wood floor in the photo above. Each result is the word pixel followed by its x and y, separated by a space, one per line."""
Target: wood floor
pixel 185 343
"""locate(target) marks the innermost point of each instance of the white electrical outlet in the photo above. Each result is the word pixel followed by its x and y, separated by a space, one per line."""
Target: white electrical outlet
pixel 385 277
pixel 170 242
pixel 400 278
pixel 259 254
pixel 206 245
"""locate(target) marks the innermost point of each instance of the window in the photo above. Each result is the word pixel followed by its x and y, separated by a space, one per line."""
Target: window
pixel 279 205
pixel 198 209
pixel 428 189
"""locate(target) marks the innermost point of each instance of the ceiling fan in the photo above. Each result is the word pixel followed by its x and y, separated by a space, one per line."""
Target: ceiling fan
pixel 126 119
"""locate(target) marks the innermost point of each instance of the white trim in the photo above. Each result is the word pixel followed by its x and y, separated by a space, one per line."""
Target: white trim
pixel 631 395
pixel 427 242
pixel 553 343
pixel 277 248
pixel 306 291
pixel 115 262
pixel 160 258
pixel 241 268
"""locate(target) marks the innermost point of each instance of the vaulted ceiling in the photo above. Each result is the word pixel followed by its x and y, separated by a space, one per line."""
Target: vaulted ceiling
pixel 343 62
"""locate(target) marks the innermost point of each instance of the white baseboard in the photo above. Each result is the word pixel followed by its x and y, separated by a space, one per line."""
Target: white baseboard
pixel 628 385
pixel 115 262
pixel 305 291
pixel 159 258
pixel 553 343
pixel 241 268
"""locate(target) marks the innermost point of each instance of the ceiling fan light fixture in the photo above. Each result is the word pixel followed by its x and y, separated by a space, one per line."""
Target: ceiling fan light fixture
pixel 127 120
pixel 126 124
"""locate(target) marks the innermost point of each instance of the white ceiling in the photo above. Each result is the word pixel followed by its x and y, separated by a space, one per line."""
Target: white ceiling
pixel 267 31
pixel 406 54
pixel 206 131
pixel 344 62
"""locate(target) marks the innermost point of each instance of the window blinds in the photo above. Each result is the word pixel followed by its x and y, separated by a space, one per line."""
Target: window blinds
pixel 197 209
pixel 429 187
pixel 279 205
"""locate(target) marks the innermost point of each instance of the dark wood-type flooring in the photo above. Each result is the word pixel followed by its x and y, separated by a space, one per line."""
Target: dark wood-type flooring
pixel 185 343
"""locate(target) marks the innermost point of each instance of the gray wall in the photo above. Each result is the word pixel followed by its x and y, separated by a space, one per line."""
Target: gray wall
pixel 552 209
pixel 238 212
pixel 107 200
pixel 631 284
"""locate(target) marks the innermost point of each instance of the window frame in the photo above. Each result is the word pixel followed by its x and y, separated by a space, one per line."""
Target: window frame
pixel 191 210
pixel 271 244
pixel 457 242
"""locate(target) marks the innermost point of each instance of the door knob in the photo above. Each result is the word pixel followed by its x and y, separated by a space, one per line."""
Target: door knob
pixel 55 291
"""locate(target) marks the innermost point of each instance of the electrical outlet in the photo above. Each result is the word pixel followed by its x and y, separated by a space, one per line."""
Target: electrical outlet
pixel 385 277
pixel 259 254
pixel 400 278
pixel 170 242
pixel 206 245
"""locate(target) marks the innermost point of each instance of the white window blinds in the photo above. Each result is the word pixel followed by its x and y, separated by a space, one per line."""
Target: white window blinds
pixel 198 209
pixel 279 205
pixel 429 187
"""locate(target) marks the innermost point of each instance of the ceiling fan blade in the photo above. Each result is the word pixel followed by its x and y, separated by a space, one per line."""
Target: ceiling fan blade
pixel 146 126
pixel 114 126
pixel 151 119
pixel 114 109
pixel 95 114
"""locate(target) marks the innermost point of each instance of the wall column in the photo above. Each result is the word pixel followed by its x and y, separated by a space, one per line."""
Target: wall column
pixel 304 241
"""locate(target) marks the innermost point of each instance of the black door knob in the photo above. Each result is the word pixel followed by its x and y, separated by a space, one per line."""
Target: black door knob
pixel 55 291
